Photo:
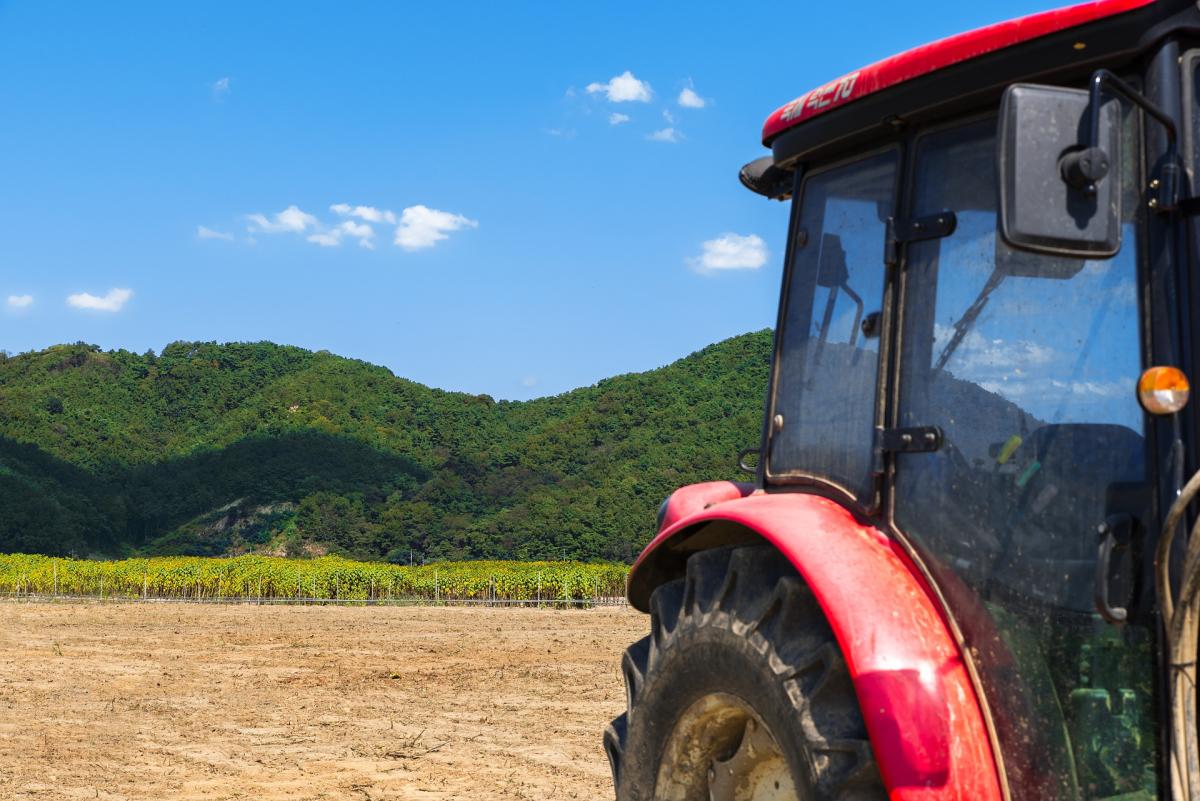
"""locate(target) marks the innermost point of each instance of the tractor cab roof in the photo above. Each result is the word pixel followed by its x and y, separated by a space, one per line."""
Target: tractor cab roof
pixel 964 66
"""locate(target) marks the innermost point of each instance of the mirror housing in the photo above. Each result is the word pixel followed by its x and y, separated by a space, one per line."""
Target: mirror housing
pixel 762 177
pixel 1060 181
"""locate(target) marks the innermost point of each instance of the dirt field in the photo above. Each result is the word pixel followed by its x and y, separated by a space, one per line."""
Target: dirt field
pixel 212 702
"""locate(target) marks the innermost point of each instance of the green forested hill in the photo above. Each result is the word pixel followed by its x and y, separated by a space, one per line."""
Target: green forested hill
pixel 209 449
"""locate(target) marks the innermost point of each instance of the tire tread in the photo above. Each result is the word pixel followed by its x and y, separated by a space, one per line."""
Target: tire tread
pixel 753 591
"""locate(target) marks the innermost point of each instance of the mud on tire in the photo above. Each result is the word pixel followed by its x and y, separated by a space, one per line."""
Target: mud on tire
pixel 737 646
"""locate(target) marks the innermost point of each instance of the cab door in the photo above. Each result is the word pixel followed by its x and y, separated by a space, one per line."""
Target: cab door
pixel 1027 365
pixel 825 388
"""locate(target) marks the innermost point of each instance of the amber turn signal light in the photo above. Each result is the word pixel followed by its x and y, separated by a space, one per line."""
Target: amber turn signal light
pixel 1163 390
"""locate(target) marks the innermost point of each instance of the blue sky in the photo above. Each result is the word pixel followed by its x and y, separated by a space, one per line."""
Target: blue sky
pixel 524 241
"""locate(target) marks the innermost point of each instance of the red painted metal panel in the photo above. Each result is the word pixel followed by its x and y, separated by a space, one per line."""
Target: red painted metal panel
pixel 920 707
pixel 943 53
pixel 694 498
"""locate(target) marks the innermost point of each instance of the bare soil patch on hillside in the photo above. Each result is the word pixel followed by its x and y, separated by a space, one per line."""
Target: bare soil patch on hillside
pixel 180 701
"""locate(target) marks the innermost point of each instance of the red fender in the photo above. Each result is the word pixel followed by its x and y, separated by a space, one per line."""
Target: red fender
pixel 920 707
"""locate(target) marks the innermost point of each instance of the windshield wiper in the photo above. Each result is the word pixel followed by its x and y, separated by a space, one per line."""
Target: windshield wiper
pixel 968 319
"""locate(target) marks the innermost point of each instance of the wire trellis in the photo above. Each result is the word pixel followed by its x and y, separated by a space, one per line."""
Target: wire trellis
pixel 250 600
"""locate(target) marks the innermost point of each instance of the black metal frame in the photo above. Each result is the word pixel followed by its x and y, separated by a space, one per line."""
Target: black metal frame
pixel 1166 264
pixel 1164 190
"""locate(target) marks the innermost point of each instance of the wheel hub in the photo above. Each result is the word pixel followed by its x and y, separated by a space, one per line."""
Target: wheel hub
pixel 720 750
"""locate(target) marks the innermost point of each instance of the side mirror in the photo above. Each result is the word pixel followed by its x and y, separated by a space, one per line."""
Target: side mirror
pixel 1059 171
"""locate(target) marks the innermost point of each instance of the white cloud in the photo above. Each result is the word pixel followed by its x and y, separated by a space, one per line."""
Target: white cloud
pixel 423 227
pixel 529 381
pixel 357 229
pixel 417 227
pixel 623 88
pixel 332 237
pixel 689 99
pixel 730 252
pixel 975 354
pixel 207 233
pixel 1104 389
pixel 111 302
pixel 220 87
pixel 290 220
pixel 368 213
pixel 666 135
pixel 364 233
pixel 668 116
pixel 20 301
pixel 327 239
pixel 616 118
pixel 563 133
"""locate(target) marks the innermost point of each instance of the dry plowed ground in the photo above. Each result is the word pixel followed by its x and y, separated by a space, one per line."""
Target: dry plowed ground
pixel 175 701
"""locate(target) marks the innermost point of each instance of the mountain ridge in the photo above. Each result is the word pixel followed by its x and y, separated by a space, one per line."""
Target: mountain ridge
pixel 134 453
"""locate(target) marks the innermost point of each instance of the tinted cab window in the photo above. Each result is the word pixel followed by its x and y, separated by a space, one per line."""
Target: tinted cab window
pixel 826 374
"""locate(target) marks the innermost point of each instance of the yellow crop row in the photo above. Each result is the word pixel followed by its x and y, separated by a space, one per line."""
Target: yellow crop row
pixel 326 578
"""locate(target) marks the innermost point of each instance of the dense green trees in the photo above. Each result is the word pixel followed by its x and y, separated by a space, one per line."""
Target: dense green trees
pixel 211 448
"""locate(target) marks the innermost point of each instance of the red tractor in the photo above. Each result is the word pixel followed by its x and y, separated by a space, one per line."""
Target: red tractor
pixel 959 572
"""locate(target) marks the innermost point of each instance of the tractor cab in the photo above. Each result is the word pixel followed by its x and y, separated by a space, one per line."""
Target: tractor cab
pixel 987 415
pixel 969 304
pixel 980 360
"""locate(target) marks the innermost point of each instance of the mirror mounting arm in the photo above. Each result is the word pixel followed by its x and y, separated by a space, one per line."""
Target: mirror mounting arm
pixel 1085 164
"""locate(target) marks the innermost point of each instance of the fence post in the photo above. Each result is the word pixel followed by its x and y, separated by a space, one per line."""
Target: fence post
pixel 145 585
pixel 539 590
pixel 56 578
pixel 436 596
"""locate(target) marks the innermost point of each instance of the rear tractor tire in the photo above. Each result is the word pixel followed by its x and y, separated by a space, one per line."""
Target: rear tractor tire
pixel 739 693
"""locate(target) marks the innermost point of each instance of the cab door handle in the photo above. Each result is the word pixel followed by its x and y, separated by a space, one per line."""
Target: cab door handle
pixel 1116 534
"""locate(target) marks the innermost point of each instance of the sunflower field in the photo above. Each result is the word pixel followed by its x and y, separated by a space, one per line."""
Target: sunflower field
pixel 328 578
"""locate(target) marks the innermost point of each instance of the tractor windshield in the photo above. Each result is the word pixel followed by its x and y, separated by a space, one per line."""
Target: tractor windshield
pixel 1028 364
